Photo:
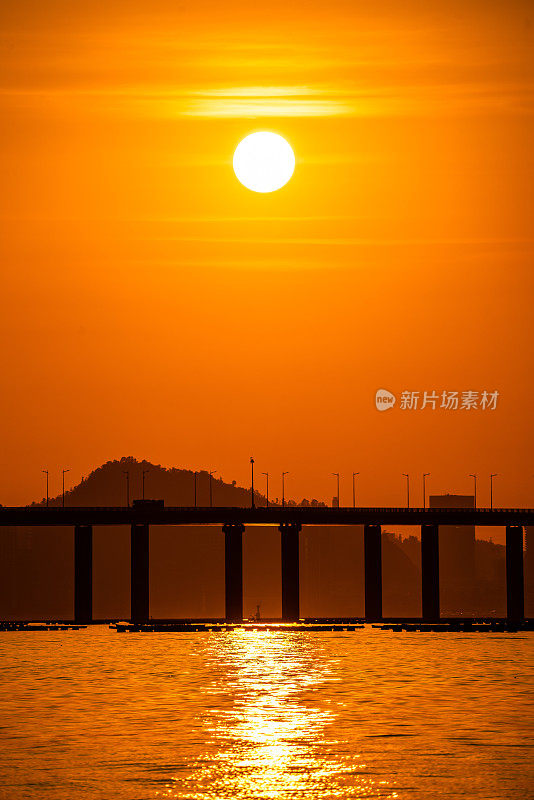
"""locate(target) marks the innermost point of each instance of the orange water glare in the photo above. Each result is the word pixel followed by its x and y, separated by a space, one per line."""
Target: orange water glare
pixel 276 739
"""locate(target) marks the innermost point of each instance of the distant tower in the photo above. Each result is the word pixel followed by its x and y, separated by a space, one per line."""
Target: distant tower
pixel 456 558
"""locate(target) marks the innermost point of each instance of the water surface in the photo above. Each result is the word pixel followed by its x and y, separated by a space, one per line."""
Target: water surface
pixel 371 714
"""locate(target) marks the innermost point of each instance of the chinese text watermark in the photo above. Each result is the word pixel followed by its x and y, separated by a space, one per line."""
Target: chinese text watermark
pixel 448 400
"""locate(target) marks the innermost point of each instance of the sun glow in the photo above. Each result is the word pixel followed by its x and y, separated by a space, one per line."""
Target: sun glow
pixel 264 161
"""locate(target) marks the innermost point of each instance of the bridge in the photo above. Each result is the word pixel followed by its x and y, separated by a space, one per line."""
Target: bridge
pixel 289 520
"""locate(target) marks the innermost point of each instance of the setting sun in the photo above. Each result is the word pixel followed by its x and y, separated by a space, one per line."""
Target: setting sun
pixel 264 161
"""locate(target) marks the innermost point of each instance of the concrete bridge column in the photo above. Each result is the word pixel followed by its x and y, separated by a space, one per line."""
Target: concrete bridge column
pixel 83 574
pixel 515 591
pixel 430 572
pixel 372 553
pixel 140 576
pixel 289 540
pixel 233 571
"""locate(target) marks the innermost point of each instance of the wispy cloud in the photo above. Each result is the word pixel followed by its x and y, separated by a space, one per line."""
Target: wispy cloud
pixel 434 99
pixel 264 101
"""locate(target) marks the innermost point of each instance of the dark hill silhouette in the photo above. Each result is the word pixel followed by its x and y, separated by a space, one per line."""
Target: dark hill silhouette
pixel 106 486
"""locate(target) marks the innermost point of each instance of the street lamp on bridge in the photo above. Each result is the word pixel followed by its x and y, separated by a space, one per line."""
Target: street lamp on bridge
pixel 283 488
pixel 425 476
pixel 336 475
pixel 267 478
pixel 474 476
pixel 195 485
pixel 145 472
pixel 212 473
pixel 46 472
pixel 251 482
pixel 405 475
pixel 492 476
pixel 126 472
pixel 63 483
pixel 354 489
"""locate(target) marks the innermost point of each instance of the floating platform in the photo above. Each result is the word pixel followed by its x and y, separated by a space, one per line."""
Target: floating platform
pixel 498 626
pixel 461 626
pixel 487 625
pixel 39 626
pixel 281 627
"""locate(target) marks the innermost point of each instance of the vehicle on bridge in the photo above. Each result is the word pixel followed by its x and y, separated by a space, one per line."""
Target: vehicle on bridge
pixel 147 503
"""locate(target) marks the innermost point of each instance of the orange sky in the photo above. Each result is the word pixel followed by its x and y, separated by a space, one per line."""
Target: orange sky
pixel 152 306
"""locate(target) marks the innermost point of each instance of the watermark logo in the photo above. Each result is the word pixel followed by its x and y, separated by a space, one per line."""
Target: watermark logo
pixel 470 400
pixel 384 400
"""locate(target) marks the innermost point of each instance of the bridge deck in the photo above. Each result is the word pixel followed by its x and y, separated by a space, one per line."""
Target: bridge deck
pixel 274 515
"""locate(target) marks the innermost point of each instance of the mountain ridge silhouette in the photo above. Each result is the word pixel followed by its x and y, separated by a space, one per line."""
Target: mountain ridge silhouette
pixel 106 485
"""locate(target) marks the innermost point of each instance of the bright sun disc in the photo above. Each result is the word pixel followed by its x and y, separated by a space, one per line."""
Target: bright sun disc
pixel 264 162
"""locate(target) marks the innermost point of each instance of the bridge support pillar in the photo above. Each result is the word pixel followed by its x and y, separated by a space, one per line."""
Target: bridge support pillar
pixel 430 572
pixel 372 552
pixel 233 571
pixel 515 592
pixel 83 574
pixel 289 540
pixel 140 574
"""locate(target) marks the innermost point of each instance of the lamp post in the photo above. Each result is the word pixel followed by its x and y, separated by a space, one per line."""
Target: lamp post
pixel 354 489
pixel 425 476
pixel 195 483
pixel 46 473
pixel 283 488
pixel 63 484
pixel 267 479
pixel 212 473
pixel 336 475
pixel 474 476
pixel 251 482
pixel 405 475
pixel 145 472
pixel 492 476
pixel 127 473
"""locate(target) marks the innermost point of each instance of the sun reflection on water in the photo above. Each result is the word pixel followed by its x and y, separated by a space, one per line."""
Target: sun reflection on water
pixel 268 731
